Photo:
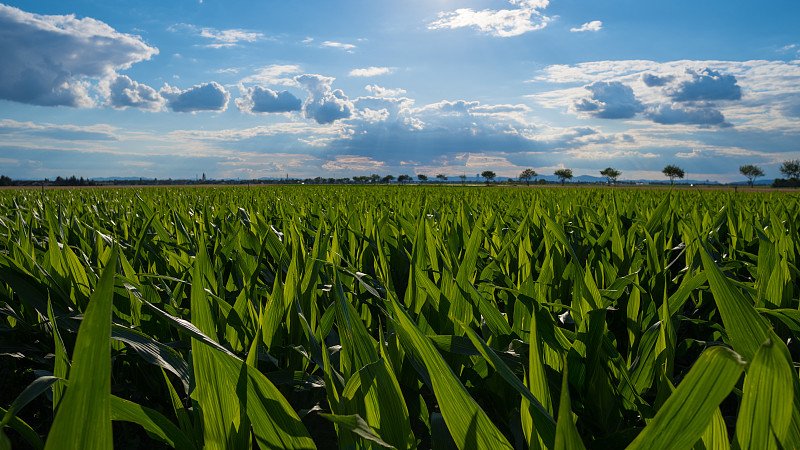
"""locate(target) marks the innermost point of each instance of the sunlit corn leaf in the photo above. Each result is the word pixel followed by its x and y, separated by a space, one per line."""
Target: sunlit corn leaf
pixel 83 419
pixel 685 415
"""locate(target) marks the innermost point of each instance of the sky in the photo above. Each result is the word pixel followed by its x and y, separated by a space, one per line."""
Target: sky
pixel 243 89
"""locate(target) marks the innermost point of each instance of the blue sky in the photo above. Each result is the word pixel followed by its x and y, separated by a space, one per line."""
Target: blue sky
pixel 239 89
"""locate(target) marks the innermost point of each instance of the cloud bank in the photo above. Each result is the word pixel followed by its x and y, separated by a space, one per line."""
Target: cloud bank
pixel 47 59
pixel 755 94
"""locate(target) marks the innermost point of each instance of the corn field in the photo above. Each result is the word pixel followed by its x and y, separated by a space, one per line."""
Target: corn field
pixel 398 317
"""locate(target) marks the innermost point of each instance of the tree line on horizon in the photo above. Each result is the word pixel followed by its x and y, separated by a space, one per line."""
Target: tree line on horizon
pixel 789 168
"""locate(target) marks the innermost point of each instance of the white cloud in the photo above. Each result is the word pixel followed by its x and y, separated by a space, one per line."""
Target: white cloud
pixel 353 163
pixel 347 47
pixel 755 94
pixel 122 92
pixel 384 92
pixel 262 100
pixel 203 97
pixel 370 72
pixel 501 23
pixel 48 59
pixel 609 100
pixel 704 85
pixel 220 38
pixel 323 105
pixel 674 114
pixel 12 129
pixel 594 25
pixel 273 74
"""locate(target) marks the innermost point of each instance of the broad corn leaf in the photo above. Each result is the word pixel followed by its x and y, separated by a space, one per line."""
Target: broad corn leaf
pixel 83 420
pixel 685 415
pixel 766 410
pixel 468 424
pixel 567 437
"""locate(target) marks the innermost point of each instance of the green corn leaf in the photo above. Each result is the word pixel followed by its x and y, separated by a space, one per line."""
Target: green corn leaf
pixel 374 394
pixel 83 420
pixel 685 415
pixel 357 425
pixel 29 434
pixel 567 436
pixel 33 390
pixel 542 421
pixel 224 424
pixel 61 363
pixel 746 329
pixel 715 437
pixel 151 420
pixel 765 413
pixel 468 424
pixel 274 423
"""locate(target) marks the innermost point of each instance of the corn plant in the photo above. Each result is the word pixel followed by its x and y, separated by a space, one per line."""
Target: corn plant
pixel 398 317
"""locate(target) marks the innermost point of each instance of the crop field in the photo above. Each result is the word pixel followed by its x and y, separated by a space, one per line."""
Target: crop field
pixel 398 317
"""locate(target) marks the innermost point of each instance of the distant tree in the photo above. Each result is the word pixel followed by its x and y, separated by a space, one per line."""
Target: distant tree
pixel 611 174
pixel 6 181
pixel 441 177
pixel 791 169
pixel 672 172
pixel 463 178
pixel 489 175
pixel 526 176
pixel 387 179
pixel 403 178
pixel 563 174
pixel 422 177
pixel 751 172
pixel 374 178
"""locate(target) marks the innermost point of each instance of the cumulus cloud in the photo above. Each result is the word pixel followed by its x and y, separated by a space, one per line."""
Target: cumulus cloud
pixel 324 105
pixel 47 59
pixel 609 100
pixel 262 100
pixel 389 111
pixel 122 92
pixel 501 23
pixel 220 38
pixel 706 84
pixel 670 114
pixel 594 25
pixel 203 97
pixel 378 91
pixel 370 72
